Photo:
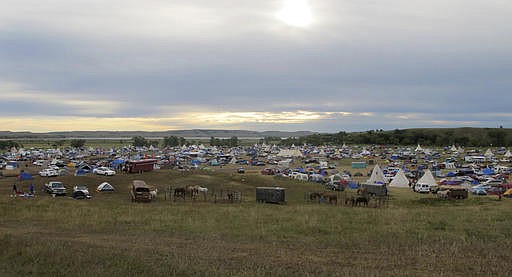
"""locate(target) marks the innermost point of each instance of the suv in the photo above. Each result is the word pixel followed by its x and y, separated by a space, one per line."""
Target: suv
pixel 140 192
pixel 55 188
pixel 81 192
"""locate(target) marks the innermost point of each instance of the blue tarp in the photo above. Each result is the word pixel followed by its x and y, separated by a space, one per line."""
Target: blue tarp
pixel 450 174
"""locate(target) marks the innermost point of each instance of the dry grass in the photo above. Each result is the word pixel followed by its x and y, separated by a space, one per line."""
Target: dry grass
pixel 108 235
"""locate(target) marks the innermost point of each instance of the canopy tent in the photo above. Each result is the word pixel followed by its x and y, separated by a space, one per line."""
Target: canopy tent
pixel 105 187
pixel 400 180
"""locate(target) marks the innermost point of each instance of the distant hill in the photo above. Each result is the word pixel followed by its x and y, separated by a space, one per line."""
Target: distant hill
pixel 206 133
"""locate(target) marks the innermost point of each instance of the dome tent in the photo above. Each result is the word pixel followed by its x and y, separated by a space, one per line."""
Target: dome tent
pixel 105 187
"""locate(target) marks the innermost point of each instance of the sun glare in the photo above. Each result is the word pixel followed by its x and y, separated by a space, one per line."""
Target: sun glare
pixel 296 13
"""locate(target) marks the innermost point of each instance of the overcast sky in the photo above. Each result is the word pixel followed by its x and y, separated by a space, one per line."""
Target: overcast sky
pixel 319 65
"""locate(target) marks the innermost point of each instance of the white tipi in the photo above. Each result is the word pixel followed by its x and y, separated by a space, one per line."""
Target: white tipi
pixel 427 179
pixel 400 180
pixel 377 176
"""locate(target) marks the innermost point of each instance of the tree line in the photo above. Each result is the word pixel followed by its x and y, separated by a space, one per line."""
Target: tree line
pixel 469 137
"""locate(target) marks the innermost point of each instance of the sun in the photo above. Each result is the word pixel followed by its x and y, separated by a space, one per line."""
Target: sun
pixel 296 13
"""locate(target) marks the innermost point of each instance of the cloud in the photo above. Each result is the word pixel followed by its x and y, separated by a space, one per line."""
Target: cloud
pixel 233 64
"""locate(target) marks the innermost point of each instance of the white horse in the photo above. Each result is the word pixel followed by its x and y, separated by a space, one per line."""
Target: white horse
pixel 153 193
pixel 203 191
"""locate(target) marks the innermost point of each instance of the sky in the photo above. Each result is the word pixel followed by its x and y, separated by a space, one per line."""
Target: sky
pixel 284 65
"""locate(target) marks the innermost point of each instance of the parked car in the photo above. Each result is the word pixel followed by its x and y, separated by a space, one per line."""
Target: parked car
pixel 478 191
pixel 335 186
pixel 81 192
pixel 48 172
pixel 38 163
pixel 422 188
pixel 104 171
pixel 241 170
pixel 268 171
pixel 140 192
pixel 55 188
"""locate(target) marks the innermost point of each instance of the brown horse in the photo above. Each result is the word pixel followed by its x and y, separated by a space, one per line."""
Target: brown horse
pixel 180 192
pixel 192 191
pixel 315 196
pixel 331 198
pixel 362 200
pixel 351 200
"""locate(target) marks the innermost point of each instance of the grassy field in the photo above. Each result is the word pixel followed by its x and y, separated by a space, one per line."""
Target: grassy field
pixel 415 235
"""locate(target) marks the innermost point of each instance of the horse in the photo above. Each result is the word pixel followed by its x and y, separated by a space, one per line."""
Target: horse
pixel 315 196
pixel 363 200
pixel 331 198
pixel 153 193
pixel 193 191
pixel 203 191
pixel 180 192
pixel 351 201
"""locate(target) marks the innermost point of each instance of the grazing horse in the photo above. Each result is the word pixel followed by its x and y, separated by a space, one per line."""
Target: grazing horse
pixel 180 192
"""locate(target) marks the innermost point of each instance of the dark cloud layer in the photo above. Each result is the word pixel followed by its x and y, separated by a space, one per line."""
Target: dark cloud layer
pixel 445 63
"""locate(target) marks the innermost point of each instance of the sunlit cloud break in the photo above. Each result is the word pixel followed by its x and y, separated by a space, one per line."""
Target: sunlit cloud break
pixel 260 117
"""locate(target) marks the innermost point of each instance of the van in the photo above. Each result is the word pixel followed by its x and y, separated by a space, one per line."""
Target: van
pixel 422 188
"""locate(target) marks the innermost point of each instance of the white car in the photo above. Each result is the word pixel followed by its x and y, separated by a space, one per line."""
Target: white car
pixel 48 172
pixel 38 163
pixel 104 171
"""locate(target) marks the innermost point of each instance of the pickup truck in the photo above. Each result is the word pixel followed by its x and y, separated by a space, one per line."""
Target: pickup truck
pixel 55 187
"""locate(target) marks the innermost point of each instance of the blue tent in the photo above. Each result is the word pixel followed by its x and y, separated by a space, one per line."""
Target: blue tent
pixel 118 163
pixel 488 171
pixel 80 172
pixel 450 174
pixel 353 185
pixel 25 176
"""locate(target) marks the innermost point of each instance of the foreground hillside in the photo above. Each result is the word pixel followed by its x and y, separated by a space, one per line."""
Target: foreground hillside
pixel 415 235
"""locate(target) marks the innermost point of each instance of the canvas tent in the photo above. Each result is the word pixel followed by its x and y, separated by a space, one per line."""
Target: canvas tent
pixel 105 187
pixel 400 180
pixel 427 179
pixel 377 176
pixel 418 149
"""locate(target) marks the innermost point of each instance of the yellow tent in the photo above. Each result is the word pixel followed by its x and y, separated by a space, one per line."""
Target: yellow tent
pixel 508 193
